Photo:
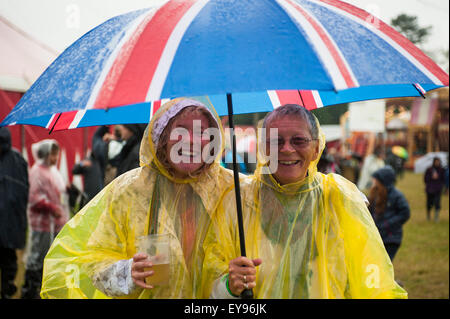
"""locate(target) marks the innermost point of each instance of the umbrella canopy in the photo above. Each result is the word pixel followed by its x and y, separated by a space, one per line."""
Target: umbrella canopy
pixel 326 49
pixel 422 163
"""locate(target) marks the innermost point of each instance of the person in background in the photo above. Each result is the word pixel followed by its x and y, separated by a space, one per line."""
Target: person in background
pixel 328 163
pixel 93 167
pixel 227 155
pixel 47 211
pixel 371 164
pixel 396 162
pixel 114 144
pixel 128 158
pixel 434 180
pixel 389 209
pixel 13 211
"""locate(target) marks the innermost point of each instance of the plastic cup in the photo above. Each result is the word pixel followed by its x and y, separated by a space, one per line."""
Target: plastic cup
pixel 157 247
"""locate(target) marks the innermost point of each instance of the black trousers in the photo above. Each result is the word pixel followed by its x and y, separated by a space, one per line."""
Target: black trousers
pixel 433 199
pixel 32 285
pixel 8 269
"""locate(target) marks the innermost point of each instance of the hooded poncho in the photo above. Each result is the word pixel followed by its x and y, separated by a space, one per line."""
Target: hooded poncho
pixel 146 200
pixel 47 194
pixel 316 238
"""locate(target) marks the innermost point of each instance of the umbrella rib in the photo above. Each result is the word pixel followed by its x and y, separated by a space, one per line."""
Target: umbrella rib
pixel 417 88
pixel 301 98
pixel 54 124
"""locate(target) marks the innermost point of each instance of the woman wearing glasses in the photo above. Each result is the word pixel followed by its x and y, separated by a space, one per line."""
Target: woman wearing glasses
pixel 308 235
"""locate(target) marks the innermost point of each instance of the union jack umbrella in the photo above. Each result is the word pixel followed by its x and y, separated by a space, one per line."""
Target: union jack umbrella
pixel 265 52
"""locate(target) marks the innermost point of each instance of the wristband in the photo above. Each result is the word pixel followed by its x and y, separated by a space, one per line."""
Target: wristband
pixel 228 287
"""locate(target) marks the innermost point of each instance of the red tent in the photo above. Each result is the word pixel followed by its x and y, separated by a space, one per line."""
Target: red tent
pixel 22 60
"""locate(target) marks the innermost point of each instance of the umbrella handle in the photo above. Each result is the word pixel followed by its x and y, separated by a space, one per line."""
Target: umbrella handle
pixel 247 293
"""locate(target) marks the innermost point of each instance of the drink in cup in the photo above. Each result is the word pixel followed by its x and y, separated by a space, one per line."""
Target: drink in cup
pixel 157 247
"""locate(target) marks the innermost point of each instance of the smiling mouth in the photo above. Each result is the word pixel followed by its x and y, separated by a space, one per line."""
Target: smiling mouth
pixel 188 153
pixel 289 163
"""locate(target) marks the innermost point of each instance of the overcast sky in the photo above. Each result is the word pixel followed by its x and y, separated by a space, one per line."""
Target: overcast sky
pixel 58 23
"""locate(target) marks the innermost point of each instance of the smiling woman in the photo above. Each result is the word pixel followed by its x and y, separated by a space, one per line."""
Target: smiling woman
pixel 161 197
pixel 185 143
pixel 296 143
pixel 309 235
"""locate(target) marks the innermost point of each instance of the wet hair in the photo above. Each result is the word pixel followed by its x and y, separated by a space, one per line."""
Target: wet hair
pixel 161 153
pixel 437 159
pixel 44 151
pixel 378 198
pixel 297 111
pixel 378 151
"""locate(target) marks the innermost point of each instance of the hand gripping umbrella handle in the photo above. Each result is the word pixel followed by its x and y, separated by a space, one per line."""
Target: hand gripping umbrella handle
pixel 247 293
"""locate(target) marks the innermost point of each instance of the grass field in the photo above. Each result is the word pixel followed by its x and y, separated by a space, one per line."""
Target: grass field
pixel 422 263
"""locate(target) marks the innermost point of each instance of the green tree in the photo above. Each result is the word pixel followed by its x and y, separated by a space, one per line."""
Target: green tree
pixel 330 115
pixel 409 27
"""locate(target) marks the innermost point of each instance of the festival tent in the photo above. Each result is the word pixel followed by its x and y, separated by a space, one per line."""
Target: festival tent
pixel 421 137
pixel 22 61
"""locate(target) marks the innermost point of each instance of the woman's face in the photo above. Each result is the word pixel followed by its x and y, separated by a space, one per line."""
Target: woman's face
pixel 125 133
pixel 376 183
pixel 186 142
pixel 437 162
pixel 52 158
pixel 295 146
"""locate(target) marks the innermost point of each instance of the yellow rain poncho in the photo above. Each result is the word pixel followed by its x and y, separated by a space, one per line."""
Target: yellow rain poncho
pixel 146 200
pixel 316 238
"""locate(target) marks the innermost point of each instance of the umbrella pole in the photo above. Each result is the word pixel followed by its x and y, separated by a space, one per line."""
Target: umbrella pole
pixel 247 293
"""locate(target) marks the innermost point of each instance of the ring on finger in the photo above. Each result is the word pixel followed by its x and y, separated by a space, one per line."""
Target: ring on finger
pixel 245 278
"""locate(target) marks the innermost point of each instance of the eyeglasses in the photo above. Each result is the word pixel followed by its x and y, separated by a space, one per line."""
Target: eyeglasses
pixel 296 142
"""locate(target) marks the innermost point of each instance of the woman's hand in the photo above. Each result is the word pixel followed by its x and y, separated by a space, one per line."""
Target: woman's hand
pixel 242 274
pixel 57 213
pixel 140 263
pixel 108 137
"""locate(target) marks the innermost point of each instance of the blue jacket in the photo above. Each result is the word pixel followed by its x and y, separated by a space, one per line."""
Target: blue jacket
pixel 397 212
